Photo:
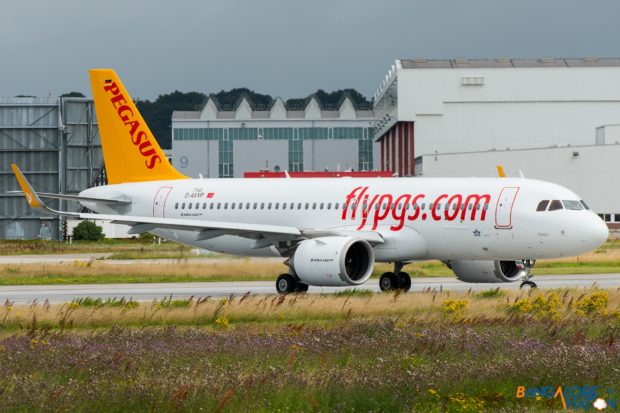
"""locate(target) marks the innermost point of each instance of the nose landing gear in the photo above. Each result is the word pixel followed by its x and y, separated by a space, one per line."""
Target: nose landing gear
pixel 397 280
pixel 527 267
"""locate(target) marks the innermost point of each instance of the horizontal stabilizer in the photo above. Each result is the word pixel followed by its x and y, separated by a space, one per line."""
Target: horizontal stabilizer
pixel 78 198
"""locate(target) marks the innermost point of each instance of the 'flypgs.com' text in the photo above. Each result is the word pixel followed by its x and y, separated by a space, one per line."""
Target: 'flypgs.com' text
pixel 375 208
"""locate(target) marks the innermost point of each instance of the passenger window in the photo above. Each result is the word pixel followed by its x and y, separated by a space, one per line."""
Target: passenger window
pixel 329 205
pixel 247 205
pixel 176 206
pixel 255 205
pixel 572 205
pixel 542 206
pixel 277 205
pixel 189 206
pixel 336 205
pixel 204 205
pixel 555 205
pixel 219 205
pixel 211 206
pixel 314 205
pixel 470 207
pixel 262 205
pixel 584 204
pixel 307 205
pixel 232 205
pixel 321 206
pixel 283 205
pixel 226 205
pixel 269 206
pixel 292 206
pixel 240 205
pixel 299 205
pixel 486 206
pixel 197 205
pixel 183 205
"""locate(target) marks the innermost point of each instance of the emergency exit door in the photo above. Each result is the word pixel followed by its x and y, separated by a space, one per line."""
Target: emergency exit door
pixel 159 202
pixel 503 210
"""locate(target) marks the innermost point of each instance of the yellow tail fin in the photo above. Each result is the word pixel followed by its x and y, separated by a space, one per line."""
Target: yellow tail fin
pixel 130 151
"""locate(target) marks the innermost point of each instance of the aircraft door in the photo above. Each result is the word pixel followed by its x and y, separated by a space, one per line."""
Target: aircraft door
pixel 159 202
pixel 503 210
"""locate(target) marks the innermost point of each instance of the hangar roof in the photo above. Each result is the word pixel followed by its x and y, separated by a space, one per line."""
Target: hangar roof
pixel 507 63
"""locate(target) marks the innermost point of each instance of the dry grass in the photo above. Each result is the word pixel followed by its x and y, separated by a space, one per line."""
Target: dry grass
pixel 426 307
pixel 109 272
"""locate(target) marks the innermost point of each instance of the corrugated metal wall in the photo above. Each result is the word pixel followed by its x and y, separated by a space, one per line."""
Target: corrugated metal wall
pixel 56 144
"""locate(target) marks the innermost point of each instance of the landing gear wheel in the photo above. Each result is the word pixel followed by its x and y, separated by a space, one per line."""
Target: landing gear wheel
pixel 389 281
pixel 530 284
pixel 286 284
pixel 405 281
pixel 301 287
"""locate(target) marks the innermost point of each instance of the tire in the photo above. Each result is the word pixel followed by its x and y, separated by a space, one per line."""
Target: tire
pixel 389 281
pixel 529 284
pixel 301 287
pixel 405 281
pixel 286 284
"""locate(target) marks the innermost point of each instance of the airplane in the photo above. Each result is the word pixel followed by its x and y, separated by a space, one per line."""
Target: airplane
pixel 329 231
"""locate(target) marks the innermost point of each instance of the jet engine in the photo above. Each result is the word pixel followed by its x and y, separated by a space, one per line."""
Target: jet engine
pixel 334 261
pixel 490 271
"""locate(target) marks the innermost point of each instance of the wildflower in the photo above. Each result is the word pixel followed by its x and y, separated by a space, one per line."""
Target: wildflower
pixel 594 304
pixel 222 322
pixel 454 306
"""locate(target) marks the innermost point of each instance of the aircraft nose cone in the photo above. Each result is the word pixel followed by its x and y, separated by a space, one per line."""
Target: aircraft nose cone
pixel 599 232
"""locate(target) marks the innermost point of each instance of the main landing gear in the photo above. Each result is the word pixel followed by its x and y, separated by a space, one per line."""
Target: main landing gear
pixel 288 283
pixel 397 280
pixel 527 266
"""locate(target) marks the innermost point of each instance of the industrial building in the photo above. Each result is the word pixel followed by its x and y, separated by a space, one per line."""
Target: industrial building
pixel 55 142
pixel 428 106
pixel 222 142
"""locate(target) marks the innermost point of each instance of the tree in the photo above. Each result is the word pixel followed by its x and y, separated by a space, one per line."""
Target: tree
pixel 72 95
pixel 158 114
pixel 88 231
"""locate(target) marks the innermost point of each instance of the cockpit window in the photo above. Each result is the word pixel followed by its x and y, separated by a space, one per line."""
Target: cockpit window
pixel 542 206
pixel 584 204
pixel 573 205
pixel 555 205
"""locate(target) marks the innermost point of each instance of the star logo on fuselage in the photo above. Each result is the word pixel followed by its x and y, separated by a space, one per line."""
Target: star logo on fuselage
pixel 477 233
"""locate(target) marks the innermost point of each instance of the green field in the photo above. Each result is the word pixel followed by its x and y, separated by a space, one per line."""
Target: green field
pixel 422 352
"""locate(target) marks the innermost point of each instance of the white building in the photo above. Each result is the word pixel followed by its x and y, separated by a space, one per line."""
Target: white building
pixel 226 142
pixel 426 106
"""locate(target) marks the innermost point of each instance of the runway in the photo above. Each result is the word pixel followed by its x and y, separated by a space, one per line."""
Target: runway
pixel 152 291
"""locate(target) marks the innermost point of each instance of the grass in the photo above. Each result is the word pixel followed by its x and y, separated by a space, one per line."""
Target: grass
pixel 372 352
pixel 227 268
pixel 137 248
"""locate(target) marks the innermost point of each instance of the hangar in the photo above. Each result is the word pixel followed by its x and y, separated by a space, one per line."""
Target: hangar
pixel 222 142
pixel 56 143
pixel 428 106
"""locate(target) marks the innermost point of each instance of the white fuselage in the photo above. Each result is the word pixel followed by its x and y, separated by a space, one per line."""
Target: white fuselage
pixel 419 218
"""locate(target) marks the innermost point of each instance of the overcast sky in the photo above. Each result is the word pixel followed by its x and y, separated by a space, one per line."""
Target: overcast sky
pixel 286 48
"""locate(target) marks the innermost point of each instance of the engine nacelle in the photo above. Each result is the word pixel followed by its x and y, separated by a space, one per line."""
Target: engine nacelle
pixel 334 261
pixel 490 271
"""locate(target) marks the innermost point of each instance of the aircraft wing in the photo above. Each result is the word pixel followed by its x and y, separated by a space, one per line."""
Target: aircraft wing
pixel 264 234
